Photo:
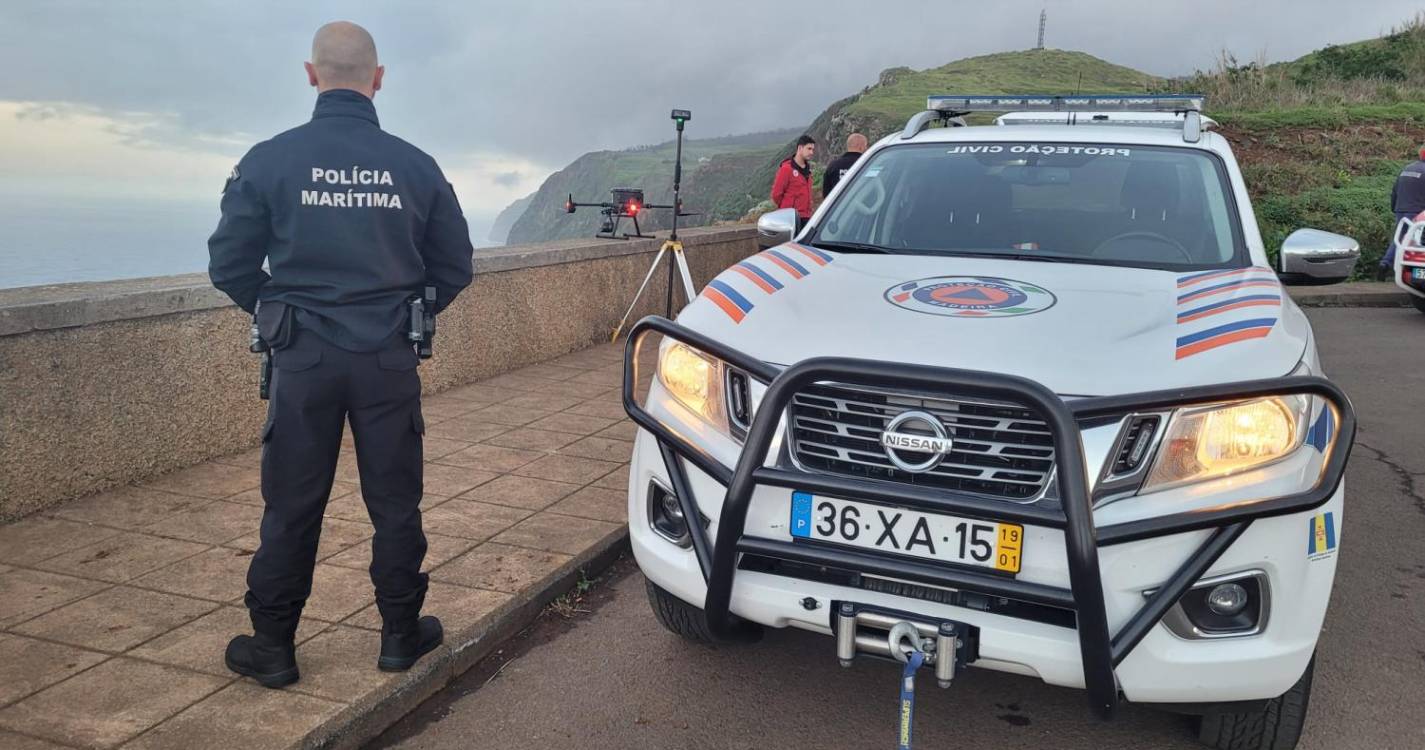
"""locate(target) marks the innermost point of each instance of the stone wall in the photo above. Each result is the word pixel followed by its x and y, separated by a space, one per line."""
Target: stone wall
pixel 107 383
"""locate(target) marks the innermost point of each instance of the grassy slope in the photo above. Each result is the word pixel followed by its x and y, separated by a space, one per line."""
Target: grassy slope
pixel 1325 117
pixel 1330 169
pixel 1321 138
pixel 884 107
pixel 1030 71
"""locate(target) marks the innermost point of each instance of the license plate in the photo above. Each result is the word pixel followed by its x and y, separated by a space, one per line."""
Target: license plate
pixel 964 541
pixel 1417 274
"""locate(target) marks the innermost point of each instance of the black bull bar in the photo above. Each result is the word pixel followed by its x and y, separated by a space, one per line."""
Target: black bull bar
pixel 1101 651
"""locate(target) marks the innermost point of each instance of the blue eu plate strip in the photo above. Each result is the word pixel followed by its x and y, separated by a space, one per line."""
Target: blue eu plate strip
pixel 801 514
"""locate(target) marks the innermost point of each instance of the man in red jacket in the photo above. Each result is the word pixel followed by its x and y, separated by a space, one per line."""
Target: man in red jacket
pixel 792 188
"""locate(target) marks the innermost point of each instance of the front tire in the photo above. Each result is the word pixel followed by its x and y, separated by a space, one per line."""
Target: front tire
pixel 688 622
pixel 1276 727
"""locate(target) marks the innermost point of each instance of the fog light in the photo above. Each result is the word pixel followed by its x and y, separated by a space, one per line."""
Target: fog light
pixel 1227 599
pixel 665 515
pixel 672 509
pixel 1228 606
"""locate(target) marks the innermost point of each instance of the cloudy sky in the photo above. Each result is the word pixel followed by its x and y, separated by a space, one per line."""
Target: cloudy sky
pixel 153 101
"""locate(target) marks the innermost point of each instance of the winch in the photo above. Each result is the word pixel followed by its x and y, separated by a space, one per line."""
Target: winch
pixel 946 645
pixel 885 633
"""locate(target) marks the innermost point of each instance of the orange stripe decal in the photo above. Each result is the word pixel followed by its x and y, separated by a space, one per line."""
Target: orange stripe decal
pixel 733 311
pixel 1194 280
pixel 1230 338
pixel 815 258
pixel 755 279
pixel 785 266
pixel 1234 287
pixel 1235 306
pixel 1210 277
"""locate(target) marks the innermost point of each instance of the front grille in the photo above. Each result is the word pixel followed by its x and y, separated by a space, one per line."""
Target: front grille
pixel 1000 450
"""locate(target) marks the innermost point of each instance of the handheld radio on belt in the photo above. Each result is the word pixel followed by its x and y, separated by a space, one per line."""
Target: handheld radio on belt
pixel 421 331
pixel 257 345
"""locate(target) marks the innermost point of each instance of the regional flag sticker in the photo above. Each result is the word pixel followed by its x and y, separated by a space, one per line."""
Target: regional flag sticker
pixel 1321 536
pixel 971 297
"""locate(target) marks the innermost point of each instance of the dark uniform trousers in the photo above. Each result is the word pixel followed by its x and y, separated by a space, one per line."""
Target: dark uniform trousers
pixel 316 388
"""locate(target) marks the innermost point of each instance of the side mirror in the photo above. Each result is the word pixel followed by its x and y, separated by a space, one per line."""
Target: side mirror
pixel 776 227
pixel 1311 256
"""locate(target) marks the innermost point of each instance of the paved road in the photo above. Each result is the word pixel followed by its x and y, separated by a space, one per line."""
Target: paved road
pixel 615 679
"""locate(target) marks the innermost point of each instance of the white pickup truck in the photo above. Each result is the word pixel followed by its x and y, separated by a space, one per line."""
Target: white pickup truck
pixel 1027 397
pixel 1409 265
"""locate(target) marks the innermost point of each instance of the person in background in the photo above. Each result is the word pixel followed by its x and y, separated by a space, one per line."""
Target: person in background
pixel 792 188
pixel 855 146
pixel 1407 199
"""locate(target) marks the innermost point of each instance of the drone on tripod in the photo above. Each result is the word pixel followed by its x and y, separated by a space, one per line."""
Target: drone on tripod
pixel 627 203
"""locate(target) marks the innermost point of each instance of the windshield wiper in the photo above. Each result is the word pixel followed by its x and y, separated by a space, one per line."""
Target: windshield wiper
pixel 852 247
pixel 1051 258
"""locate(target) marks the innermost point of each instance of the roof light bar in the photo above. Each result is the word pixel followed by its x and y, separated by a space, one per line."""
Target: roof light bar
pixel 1065 103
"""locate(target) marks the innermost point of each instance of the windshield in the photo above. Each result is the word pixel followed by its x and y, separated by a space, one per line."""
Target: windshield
pixel 1110 204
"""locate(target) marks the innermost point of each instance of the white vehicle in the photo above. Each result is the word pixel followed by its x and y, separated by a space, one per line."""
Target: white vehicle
pixel 1409 271
pixel 1024 397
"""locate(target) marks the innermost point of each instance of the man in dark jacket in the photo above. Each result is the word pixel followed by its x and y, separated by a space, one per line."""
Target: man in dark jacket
pixel 855 146
pixel 1407 199
pixel 352 222
pixel 792 186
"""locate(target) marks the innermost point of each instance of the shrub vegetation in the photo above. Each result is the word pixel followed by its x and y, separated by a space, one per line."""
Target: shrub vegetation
pixel 1321 139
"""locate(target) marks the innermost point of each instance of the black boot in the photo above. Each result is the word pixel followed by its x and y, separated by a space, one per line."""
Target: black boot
pixel 403 646
pixel 272 663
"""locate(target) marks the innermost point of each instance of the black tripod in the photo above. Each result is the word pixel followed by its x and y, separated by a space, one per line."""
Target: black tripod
pixel 671 246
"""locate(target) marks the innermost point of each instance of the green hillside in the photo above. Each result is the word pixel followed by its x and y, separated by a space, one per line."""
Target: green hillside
pixel 899 93
pixel 1334 173
pixel 707 164
pixel 1321 138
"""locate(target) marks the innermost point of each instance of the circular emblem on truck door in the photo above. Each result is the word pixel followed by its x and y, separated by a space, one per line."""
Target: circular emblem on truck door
pixel 916 441
pixel 971 297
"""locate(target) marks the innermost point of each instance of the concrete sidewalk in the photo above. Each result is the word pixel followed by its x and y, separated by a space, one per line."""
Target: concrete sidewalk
pixel 114 610
pixel 1350 294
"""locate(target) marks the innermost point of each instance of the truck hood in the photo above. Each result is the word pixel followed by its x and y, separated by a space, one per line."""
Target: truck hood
pixel 1078 329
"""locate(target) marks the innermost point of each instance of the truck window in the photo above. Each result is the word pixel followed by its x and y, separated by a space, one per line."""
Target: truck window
pixel 1114 204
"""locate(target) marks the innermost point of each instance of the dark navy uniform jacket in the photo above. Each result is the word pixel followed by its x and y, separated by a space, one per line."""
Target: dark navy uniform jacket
pixel 1408 195
pixel 351 220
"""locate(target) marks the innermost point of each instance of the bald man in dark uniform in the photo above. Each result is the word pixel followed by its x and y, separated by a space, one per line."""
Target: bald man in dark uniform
pixel 352 222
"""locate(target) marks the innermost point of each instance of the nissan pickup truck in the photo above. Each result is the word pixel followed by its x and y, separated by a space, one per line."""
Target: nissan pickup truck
pixel 1025 396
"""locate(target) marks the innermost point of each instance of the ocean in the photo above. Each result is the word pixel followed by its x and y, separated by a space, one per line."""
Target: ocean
pixel 90 239
pixel 44 241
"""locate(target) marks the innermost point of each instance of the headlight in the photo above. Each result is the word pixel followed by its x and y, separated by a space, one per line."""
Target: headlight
pixel 695 380
pixel 1217 441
